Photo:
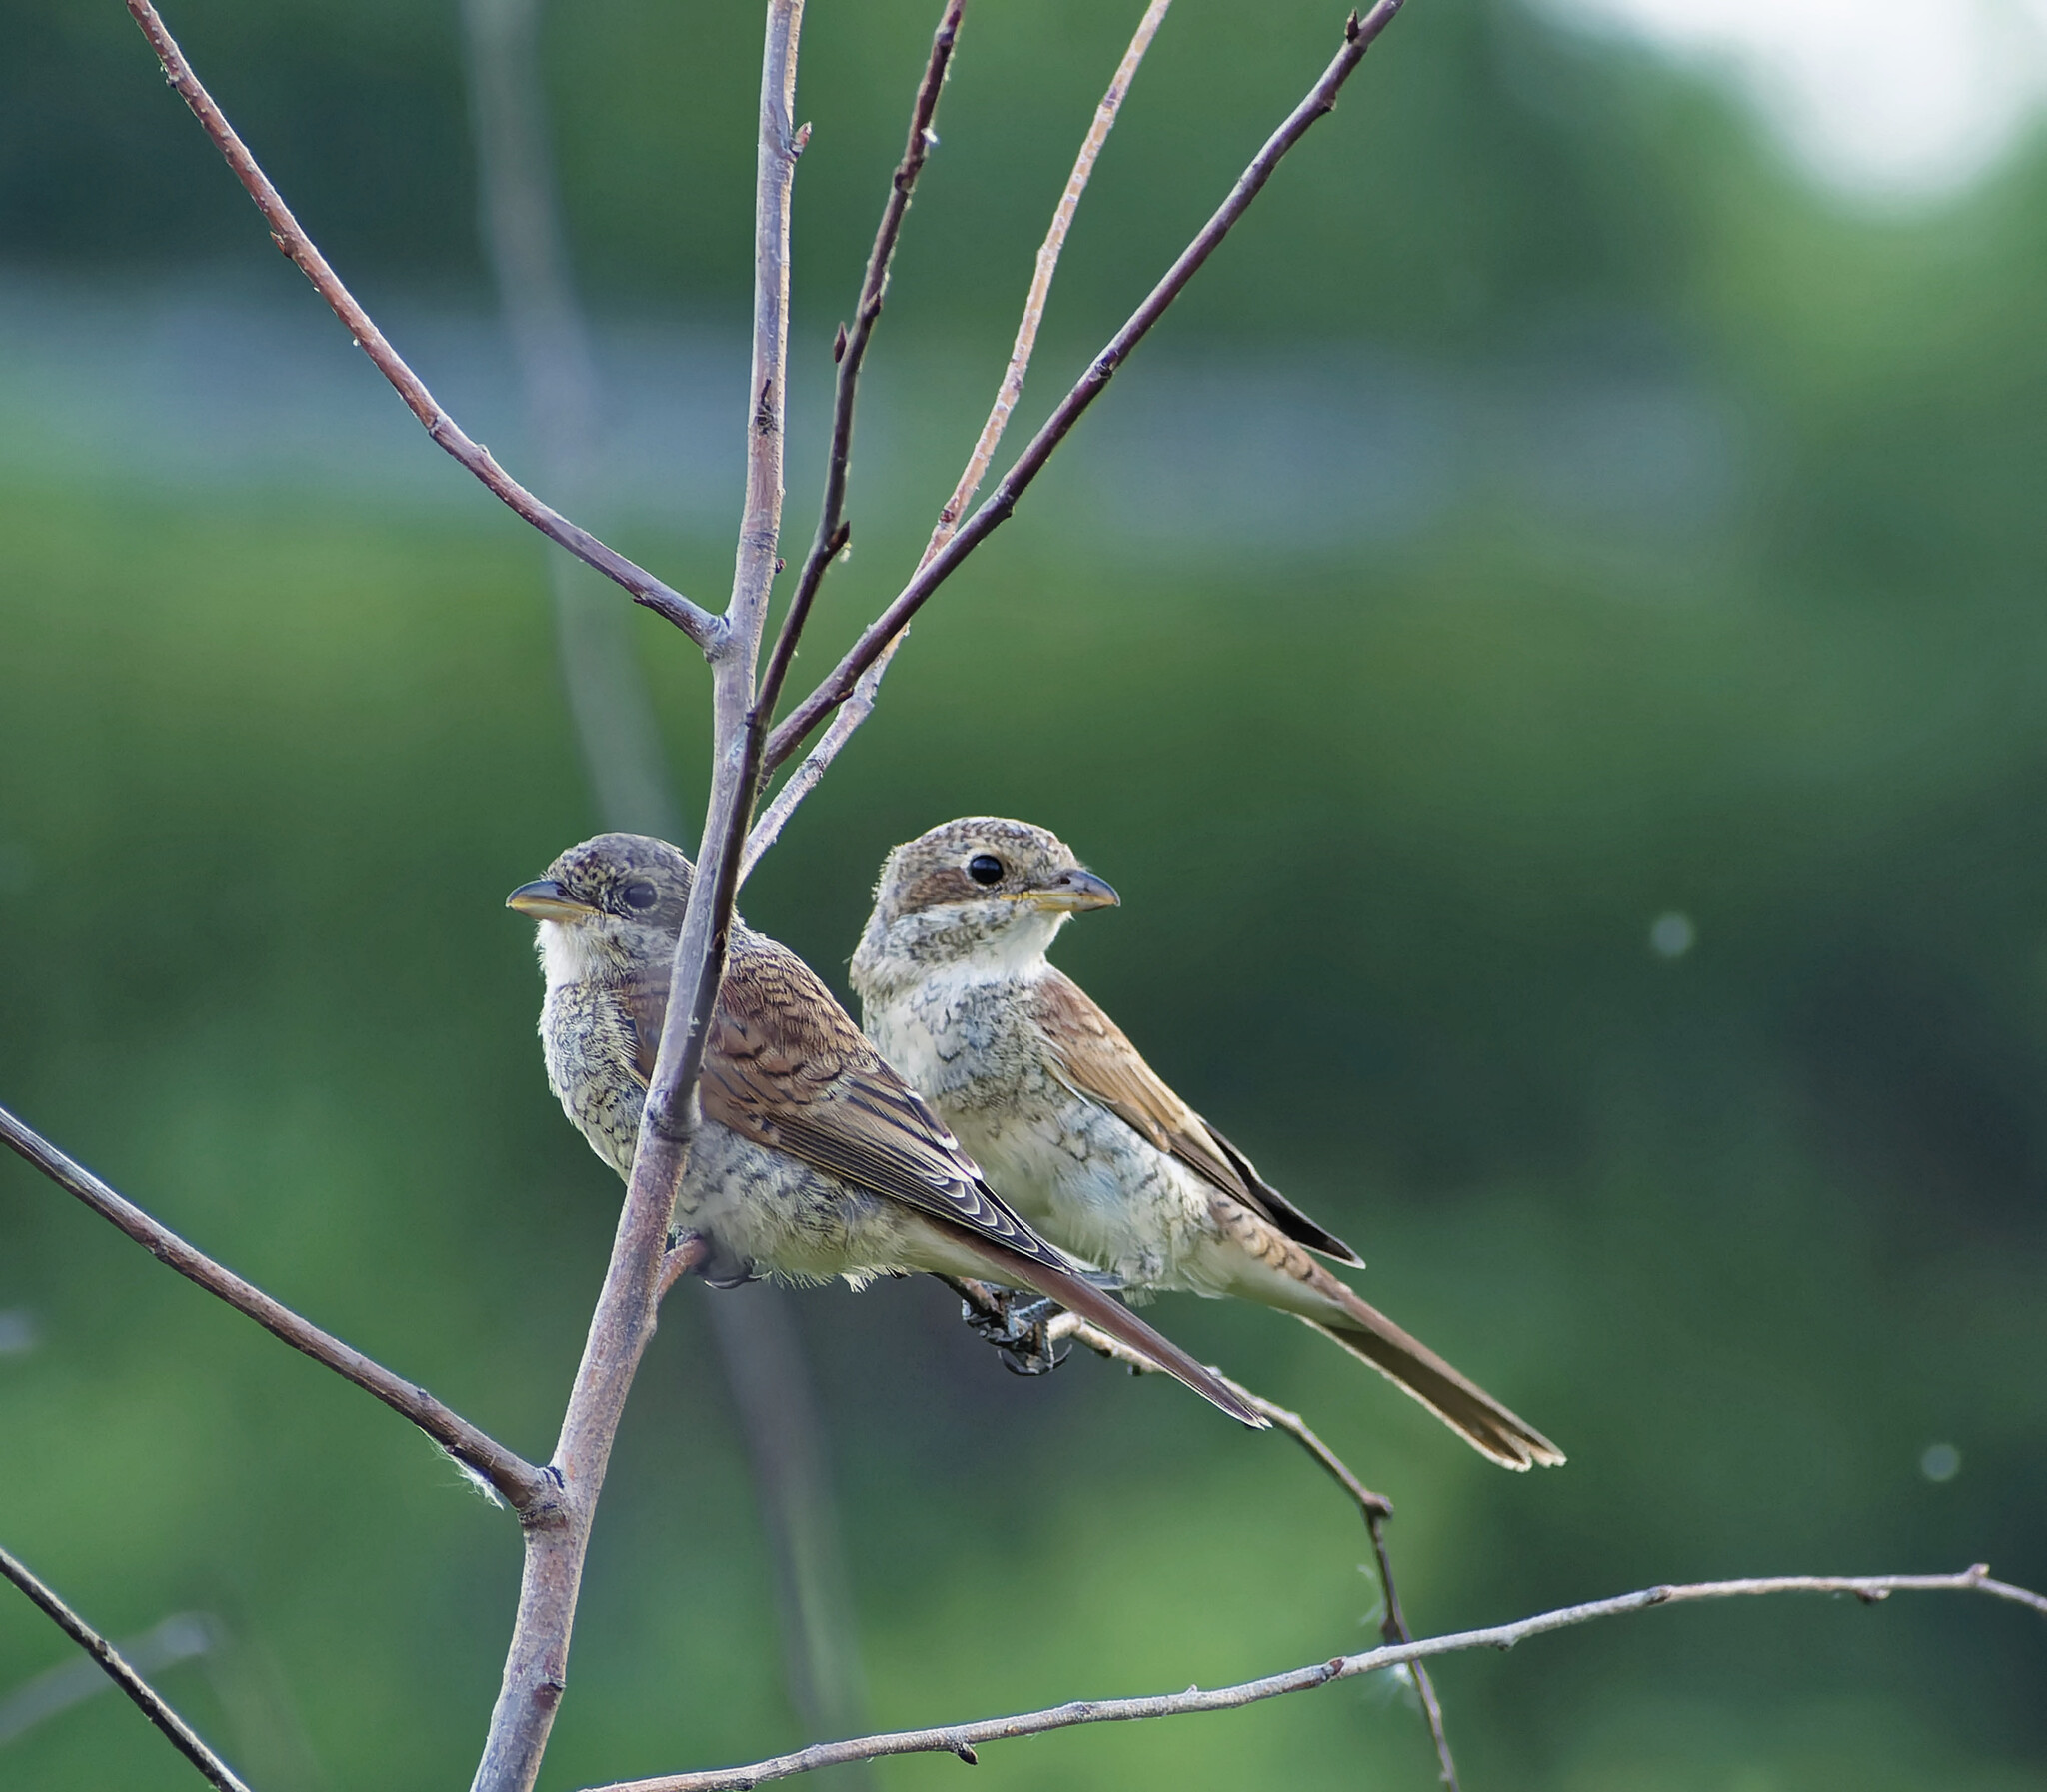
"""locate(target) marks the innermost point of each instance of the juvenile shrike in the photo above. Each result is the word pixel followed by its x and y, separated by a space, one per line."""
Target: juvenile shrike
pixel 1079 1132
pixel 815 1158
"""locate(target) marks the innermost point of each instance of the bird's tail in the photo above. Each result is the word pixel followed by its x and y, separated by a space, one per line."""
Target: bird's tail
pixel 1415 1370
pixel 1078 1296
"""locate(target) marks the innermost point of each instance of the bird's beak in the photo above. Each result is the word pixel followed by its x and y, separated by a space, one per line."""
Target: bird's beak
pixel 545 900
pixel 1075 890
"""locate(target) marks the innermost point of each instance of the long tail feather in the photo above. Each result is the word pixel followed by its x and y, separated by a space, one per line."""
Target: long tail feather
pixel 1455 1400
pixel 1081 1296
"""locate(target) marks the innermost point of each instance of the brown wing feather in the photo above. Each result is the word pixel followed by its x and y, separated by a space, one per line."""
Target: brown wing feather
pixel 786 1068
pixel 1101 1063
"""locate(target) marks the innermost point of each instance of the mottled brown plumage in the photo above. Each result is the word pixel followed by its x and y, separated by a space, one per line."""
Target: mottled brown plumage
pixel 816 1159
pixel 1078 1131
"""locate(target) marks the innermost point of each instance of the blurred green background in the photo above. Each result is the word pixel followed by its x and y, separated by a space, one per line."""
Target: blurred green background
pixel 1548 642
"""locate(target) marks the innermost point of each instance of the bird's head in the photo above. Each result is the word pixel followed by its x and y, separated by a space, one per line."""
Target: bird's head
pixel 980 891
pixel 606 903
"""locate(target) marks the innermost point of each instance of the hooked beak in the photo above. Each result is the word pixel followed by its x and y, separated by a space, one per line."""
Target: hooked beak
pixel 545 900
pixel 1072 891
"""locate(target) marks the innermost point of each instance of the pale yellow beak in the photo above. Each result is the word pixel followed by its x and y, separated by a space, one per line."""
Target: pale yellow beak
pixel 1072 891
pixel 545 900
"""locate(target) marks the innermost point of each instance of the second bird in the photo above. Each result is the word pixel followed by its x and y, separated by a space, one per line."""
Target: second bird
pixel 1077 1130
pixel 813 1159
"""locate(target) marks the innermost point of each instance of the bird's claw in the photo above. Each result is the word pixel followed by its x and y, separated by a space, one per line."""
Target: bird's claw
pixel 1018 1329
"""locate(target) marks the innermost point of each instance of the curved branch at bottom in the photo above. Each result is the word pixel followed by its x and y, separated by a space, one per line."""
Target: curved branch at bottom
pixel 961 1739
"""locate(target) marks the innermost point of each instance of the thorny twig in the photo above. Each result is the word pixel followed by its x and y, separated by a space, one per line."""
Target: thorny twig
pixel 962 1739
pixel 181 1734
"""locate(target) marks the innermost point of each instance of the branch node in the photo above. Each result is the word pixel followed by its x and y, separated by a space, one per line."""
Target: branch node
pixel 800 141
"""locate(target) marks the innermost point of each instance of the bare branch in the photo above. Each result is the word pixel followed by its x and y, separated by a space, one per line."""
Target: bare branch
pixel 536 1666
pixel 1394 1629
pixel 961 1739
pixel 1374 1508
pixel 755 1335
pixel 852 350
pixel 860 704
pixel 286 232
pixel 528 1489
pixel 182 1736
pixel 837 687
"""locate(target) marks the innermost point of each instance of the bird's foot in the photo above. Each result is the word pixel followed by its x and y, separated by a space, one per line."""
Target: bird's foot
pixel 1018 1329
pixel 697 1253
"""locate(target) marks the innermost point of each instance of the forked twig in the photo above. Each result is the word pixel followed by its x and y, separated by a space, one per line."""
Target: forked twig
pixel 962 1739
pixel 851 352
pixel 285 230
pixel 153 1706
pixel 1374 1508
pixel 526 1488
pixel 838 684
pixel 860 704
pixel 537 1663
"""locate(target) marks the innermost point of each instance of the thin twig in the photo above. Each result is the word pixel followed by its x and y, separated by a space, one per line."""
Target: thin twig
pixel 699 624
pixel 526 1488
pixel 961 1739
pixel 535 1665
pixel 838 684
pixel 860 704
pixel 182 1736
pixel 756 1337
pixel 850 351
pixel 1394 1630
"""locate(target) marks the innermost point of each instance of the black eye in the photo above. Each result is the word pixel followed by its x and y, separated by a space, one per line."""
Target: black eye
pixel 985 868
pixel 638 896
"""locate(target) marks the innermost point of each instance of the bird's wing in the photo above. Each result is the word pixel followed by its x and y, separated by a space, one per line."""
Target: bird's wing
pixel 1099 1062
pixel 786 1068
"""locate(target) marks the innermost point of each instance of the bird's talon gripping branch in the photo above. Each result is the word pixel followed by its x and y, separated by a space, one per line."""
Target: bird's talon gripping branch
pixel 1021 1335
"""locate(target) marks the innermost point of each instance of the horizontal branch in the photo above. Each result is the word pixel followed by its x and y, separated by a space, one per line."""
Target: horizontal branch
pixel 528 1489
pixel 181 1734
pixel 1374 1508
pixel 289 234
pixel 961 1739
pixel 1359 34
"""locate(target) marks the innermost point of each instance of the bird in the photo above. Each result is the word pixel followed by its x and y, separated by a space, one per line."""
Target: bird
pixel 813 1158
pixel 1083 1137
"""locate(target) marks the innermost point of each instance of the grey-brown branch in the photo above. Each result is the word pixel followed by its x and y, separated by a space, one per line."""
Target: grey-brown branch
pixel 963 1738
pixel 1374 1508
pixel 526 1488
pixel 1359 34
pixel 537 1663
pixel 181 1734
pixel 856 708
pixel 850 351
pixel 285 230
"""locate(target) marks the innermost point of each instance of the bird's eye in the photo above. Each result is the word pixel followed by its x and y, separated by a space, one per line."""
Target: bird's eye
pixel 640 896
pixel 985 868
